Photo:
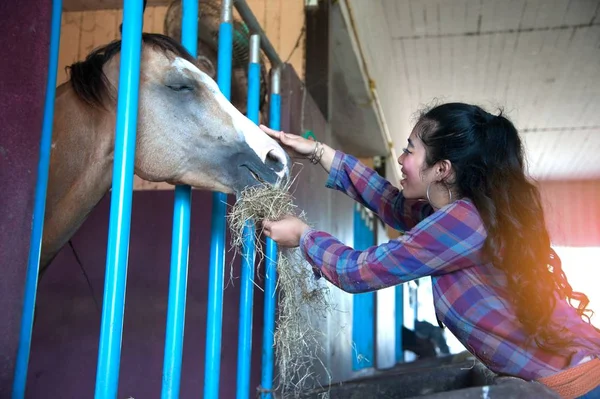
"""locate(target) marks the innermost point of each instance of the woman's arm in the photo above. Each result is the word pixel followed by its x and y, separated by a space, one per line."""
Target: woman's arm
pixel 364 185
pixel 442 243
pixel 347 174
pixel 327 158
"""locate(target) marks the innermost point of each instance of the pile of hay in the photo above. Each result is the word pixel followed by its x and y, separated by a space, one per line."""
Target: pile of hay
pixel 300 297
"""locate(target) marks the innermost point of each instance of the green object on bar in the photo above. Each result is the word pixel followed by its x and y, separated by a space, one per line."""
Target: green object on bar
pixel 309 134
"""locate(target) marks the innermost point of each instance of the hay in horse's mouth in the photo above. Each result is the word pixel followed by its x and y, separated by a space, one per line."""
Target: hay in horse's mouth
pixel 256 177
pixel 300 297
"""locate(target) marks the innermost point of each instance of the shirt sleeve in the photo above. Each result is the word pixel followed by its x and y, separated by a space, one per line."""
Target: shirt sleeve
pixel 364 185
pixel 448 240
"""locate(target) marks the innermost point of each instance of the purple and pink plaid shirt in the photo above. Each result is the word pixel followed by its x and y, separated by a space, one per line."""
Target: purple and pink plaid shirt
pixel 471 297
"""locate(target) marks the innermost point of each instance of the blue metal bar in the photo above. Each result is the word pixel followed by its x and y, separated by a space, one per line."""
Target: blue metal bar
pixel 246 302
pixel 363 305
pixel 177 293
pixel 214 325
pixel 39 210
pixel 249 252
pixel 111 329
pixel 270 262
pixel 399 291
pixel 180 244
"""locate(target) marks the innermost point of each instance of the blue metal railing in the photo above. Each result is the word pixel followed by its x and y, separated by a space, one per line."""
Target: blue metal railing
pixel 399 302
pixel 111 328
pixel 39 209
pixel 108 363
pixel 214 325
pixel 180 244
pixel 363 305
pixel 270 261
pixel 249 250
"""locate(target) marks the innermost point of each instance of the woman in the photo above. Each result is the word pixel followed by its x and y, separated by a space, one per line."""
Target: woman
pixel 474 223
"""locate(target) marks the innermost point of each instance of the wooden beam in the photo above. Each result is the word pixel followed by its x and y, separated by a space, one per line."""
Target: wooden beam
pixel 317 55
pixel 90 5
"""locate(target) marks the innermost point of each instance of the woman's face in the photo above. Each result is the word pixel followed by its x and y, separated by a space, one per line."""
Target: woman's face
pixel 412 161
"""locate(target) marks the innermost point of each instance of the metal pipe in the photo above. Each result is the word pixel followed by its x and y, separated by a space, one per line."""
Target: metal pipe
pixel 39 209
pixel 111 330
pixel 271 261
pixel 254 26
pixel 276 89
pixel 399 303
pixel 249 247
pixel 214 325
pixel 362 304
pixel 226 11
pixel 180 243
pixel 254 59
pixel 246 303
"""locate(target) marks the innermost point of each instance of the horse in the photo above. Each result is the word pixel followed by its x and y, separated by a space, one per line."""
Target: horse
pixel 187 133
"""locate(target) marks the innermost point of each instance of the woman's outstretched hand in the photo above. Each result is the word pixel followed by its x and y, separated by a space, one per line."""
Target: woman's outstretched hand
pixel 300 148
pixel 285 232
pixel 295 145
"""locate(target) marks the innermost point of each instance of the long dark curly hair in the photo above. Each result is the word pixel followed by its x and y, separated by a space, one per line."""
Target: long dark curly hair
pixel 487 156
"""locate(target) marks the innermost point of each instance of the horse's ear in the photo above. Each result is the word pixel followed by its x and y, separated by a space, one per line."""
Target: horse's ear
pixel 207 66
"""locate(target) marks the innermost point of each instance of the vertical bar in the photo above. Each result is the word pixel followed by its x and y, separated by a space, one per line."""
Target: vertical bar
pixel 249 252
pixel 271 260
pixel 214 325
pixel 180 243
pixel 245 324
pixel 399 290
pixel 111 329
pixel 39 210
pixel 363 305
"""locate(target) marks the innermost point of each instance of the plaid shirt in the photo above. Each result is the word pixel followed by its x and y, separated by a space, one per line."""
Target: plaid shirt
pixel 471 296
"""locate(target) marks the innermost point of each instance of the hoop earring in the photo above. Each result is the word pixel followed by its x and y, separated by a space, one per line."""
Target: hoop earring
pixel 431 202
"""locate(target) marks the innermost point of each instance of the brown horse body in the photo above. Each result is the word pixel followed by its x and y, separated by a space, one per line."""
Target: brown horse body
pixel 188 133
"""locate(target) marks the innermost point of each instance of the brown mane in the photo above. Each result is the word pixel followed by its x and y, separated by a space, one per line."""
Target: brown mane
pixel 91 84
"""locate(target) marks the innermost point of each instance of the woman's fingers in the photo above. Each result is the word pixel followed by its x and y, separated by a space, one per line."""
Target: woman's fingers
pixel 277 134
pixel 298 144
pixel 273 133
pixel 281 136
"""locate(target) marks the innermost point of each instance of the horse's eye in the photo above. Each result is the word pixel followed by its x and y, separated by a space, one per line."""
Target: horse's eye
pixel 180 88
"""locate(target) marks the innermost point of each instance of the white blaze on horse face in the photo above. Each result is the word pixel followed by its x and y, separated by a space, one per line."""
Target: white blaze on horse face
pixel 253 135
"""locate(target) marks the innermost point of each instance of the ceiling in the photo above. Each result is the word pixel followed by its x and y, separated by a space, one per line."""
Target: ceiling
pixel 539 60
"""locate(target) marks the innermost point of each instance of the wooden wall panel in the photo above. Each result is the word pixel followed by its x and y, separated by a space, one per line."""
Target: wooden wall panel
pixel 83 31
pixel 69 43
pixel 572 212
pixel 291 29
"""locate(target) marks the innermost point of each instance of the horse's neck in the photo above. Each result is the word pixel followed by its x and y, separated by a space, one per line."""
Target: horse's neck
pixel 80 168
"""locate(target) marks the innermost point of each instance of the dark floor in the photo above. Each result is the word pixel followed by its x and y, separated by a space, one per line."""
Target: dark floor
pixel 450 377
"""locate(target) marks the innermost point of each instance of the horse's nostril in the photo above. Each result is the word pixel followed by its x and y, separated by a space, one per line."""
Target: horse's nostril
pixel 274 161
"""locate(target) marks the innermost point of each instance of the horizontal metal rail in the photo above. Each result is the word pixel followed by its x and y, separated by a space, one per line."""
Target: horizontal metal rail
pixel 248 17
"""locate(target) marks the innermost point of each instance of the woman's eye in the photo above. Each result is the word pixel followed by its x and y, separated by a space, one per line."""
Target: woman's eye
pixel 405 150
pixel 180 88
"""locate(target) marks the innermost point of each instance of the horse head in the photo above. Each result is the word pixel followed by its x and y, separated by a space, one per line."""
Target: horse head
pixel 188 132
